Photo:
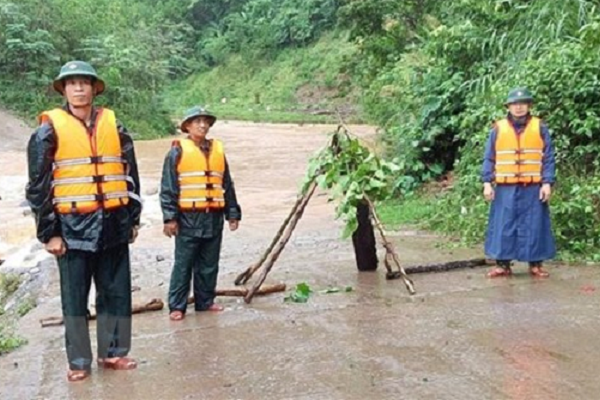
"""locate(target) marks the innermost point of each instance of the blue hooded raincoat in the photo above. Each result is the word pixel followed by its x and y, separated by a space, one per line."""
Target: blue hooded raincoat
pixel 519 225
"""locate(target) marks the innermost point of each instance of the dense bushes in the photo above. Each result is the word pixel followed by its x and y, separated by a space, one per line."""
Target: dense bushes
pixel 437 92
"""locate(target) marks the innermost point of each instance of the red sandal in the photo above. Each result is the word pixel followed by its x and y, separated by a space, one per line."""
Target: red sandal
pixel 117 363
pixel 215 308
pixel 498 272
pixel 77 375
pixel 538 272
pixel 176 315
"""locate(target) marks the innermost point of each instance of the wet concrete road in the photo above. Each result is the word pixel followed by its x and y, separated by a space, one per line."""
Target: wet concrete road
pixel 461 337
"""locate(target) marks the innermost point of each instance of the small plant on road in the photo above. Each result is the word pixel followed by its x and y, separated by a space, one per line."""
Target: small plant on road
pixel 8 340
pixel 300 294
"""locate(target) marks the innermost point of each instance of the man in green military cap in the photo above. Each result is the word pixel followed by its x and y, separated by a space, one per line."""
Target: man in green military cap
pixel 518 174
pixel 84 192
pixel 197 195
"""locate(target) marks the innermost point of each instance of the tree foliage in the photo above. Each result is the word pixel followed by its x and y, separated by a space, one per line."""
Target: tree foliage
pixel 141 46
pixel 437 91
pixel 351 172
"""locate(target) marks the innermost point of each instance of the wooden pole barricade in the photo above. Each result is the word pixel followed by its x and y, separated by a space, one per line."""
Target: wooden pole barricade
pixel 391 257
pixel 285 237
pixel 247 274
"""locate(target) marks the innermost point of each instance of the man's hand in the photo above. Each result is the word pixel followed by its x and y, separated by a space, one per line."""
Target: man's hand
pixel 171 228
pixel 488 191
pixel 134 234
pixel 56 246
pixel 545 192
pixel 233 224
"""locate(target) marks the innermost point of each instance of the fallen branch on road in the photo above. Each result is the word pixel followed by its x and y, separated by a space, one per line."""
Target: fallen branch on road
pixel 152 305
pixel 243 291
pixel 157 304
pixel 448 266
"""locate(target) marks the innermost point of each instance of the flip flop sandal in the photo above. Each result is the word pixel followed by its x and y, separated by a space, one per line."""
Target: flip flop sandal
pixel 499 272
pixel 77 375
pixel 538 272
pixel 120 364
pixel 176 315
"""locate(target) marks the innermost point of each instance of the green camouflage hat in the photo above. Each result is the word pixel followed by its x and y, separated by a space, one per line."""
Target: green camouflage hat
pixel 196 112
pixel 519 95
pixel 78 68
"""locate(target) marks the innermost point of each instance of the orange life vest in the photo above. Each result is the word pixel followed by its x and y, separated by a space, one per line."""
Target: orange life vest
pixel 200 176
pixel 519 157
pixel 89 171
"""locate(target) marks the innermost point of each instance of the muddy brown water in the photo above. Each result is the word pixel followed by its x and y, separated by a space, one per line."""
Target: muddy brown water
pixel 461 337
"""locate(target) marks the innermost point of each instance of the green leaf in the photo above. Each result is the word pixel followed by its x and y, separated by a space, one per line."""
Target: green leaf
pixel 374 183
pixel 333 289
pixel 330 290
pixel 300 295
pixel 303 288
pixel 380 174
pixel 350 228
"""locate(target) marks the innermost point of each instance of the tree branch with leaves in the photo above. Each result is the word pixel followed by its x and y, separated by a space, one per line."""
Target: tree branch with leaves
pixel 352 174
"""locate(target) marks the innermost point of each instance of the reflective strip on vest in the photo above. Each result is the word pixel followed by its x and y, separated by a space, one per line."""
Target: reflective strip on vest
pixel 204 199
pixel 74 199
pixel 69 181
pixel 530 174
pixel 91 179
pixel 519 162
pixel 522 151
pixel 202 186
pixel 517 175
pixel 200 173
pixel 88 160
pixel 100 197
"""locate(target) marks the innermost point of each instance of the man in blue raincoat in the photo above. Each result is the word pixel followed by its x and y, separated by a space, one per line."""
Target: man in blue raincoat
pixel 518 174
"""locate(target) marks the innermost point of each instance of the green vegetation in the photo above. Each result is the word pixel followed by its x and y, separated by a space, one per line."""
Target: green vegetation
pixel 300 294
pixel 135 49
pixel 412 210
pixel 352 173
pixel 8 340
pixel 295 85
pixel 435 74
pixel 140 47
pixel 9 283
pixel 25 306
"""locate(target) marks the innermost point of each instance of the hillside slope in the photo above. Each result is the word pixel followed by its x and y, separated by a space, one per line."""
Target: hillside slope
pixel 298 85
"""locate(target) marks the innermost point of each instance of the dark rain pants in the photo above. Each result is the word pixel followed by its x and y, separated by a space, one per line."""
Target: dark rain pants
pixel 200 256
pixel 110 271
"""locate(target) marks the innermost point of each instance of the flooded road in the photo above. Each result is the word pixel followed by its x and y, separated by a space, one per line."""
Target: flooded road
pixel 461 337
pixel 15 227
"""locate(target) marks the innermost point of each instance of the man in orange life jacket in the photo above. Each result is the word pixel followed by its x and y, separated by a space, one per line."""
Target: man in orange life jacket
pixel 84 192
pixel 518 174
pixel 197 195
